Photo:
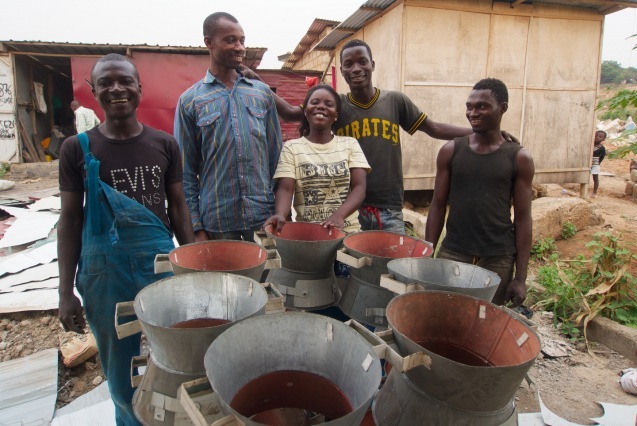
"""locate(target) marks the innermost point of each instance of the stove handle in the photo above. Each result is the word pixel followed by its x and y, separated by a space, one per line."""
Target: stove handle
pixel 343 257
pixel 201 387
pixel 262 239
pixel 136 362
pixel 276 300
pixel 389 282
pixel 274 259
pixel 125 309
pixel 162 264
pixel 382 342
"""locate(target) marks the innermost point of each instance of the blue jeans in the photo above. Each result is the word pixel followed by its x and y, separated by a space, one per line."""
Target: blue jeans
pixel 372 218
pixel 502 265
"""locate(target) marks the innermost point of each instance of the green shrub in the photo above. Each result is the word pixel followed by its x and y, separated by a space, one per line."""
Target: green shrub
pixel 578 290
pixel 543 249
pixel 568 230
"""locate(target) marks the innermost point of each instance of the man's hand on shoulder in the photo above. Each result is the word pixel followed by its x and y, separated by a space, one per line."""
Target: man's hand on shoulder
pixel 249 73
pixel 509 137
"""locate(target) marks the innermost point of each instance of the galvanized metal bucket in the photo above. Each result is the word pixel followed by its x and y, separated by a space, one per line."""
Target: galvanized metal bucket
pixel 365 302
pixel 303 361
pixel 401 402
pixel 306 291
pixel 155 400
pixel 480 354
pixel 369 252
pixel 306 247
pixel 216 300
pixel 236 257
pixel 441 274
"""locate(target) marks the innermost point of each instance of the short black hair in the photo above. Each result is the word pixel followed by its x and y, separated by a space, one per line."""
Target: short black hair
pixel 304 127
pixel 497 88
pixel 210 24
pixel 602 131
pixel 356 43
pixel 114 57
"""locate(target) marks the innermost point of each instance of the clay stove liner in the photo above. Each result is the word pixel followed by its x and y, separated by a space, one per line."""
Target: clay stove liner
pixel 237 257
pixel 381 247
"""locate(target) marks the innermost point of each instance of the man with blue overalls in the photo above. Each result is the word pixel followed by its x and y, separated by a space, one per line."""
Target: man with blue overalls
pixel 133 180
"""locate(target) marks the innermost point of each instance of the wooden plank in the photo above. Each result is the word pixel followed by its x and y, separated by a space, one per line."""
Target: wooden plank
pixel 446 35
pixel 563 66
pixel 27 142
pixel 384 38
pixel 558 130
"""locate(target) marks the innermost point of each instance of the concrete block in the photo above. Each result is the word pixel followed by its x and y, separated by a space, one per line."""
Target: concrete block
pixel 418 221
pixel 620 338
pixel 35 170
pixel 551 213
pixel 629 188
pixel 633 175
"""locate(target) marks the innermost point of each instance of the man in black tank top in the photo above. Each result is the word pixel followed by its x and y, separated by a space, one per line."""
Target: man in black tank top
pixel 480 176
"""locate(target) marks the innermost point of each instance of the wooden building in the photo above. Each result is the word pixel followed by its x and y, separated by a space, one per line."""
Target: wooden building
pixel 547 52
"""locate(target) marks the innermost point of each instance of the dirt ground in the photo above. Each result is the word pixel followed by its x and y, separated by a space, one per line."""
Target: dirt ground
pixel 571 386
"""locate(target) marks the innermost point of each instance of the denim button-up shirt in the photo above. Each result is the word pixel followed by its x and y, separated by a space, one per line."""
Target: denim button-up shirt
pixel 230 141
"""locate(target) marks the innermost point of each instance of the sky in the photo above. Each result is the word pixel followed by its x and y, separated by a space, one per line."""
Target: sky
pixel 275 24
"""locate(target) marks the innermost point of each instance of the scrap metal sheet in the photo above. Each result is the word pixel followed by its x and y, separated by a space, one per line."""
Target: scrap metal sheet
pixel 20 261
pixel 37 273
pixel 30 226
pixel 28 389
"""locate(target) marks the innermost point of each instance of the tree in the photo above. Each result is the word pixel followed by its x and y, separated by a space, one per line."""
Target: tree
pixel 612 72
pixel 622 100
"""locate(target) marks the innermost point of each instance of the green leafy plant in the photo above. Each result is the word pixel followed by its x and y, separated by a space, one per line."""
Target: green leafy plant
pixel 578 290
pixel 543 249
pixel 568 230
pixel 4 169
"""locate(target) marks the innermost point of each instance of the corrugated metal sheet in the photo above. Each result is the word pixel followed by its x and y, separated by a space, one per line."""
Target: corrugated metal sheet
pixel 254 55
pixel 372 8
pixel 356 21
pixel 290 85
pixel 313 33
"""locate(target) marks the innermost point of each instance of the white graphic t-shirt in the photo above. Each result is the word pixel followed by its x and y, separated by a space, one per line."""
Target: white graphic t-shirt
pixel 322 174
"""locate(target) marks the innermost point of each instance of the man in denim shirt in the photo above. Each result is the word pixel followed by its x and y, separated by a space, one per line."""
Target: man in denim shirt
pixel 229 134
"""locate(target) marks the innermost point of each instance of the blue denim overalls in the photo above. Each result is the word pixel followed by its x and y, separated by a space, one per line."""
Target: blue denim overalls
pixel 120 239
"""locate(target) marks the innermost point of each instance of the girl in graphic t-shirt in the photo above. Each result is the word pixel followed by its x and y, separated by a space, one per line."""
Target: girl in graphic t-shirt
pixel 324 173
pixel 599 152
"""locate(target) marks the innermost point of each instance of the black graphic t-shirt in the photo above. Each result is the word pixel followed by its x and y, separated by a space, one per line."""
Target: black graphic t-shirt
pixel 139 168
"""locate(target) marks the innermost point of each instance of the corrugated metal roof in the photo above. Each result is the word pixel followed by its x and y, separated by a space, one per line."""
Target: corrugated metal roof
pixel 313 33
pixel 254 55
pixel 356 21
pixel 372 8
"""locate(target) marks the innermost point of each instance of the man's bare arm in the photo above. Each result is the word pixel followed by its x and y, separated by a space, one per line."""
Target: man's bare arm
pixel 69 232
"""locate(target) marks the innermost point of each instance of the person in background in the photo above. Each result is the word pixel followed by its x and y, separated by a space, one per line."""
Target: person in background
pixel 599 152
pixel 480 176
pixel 323 172
pixel 85 118
pixel 229 134
pixel 132 177
pixel 374 117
